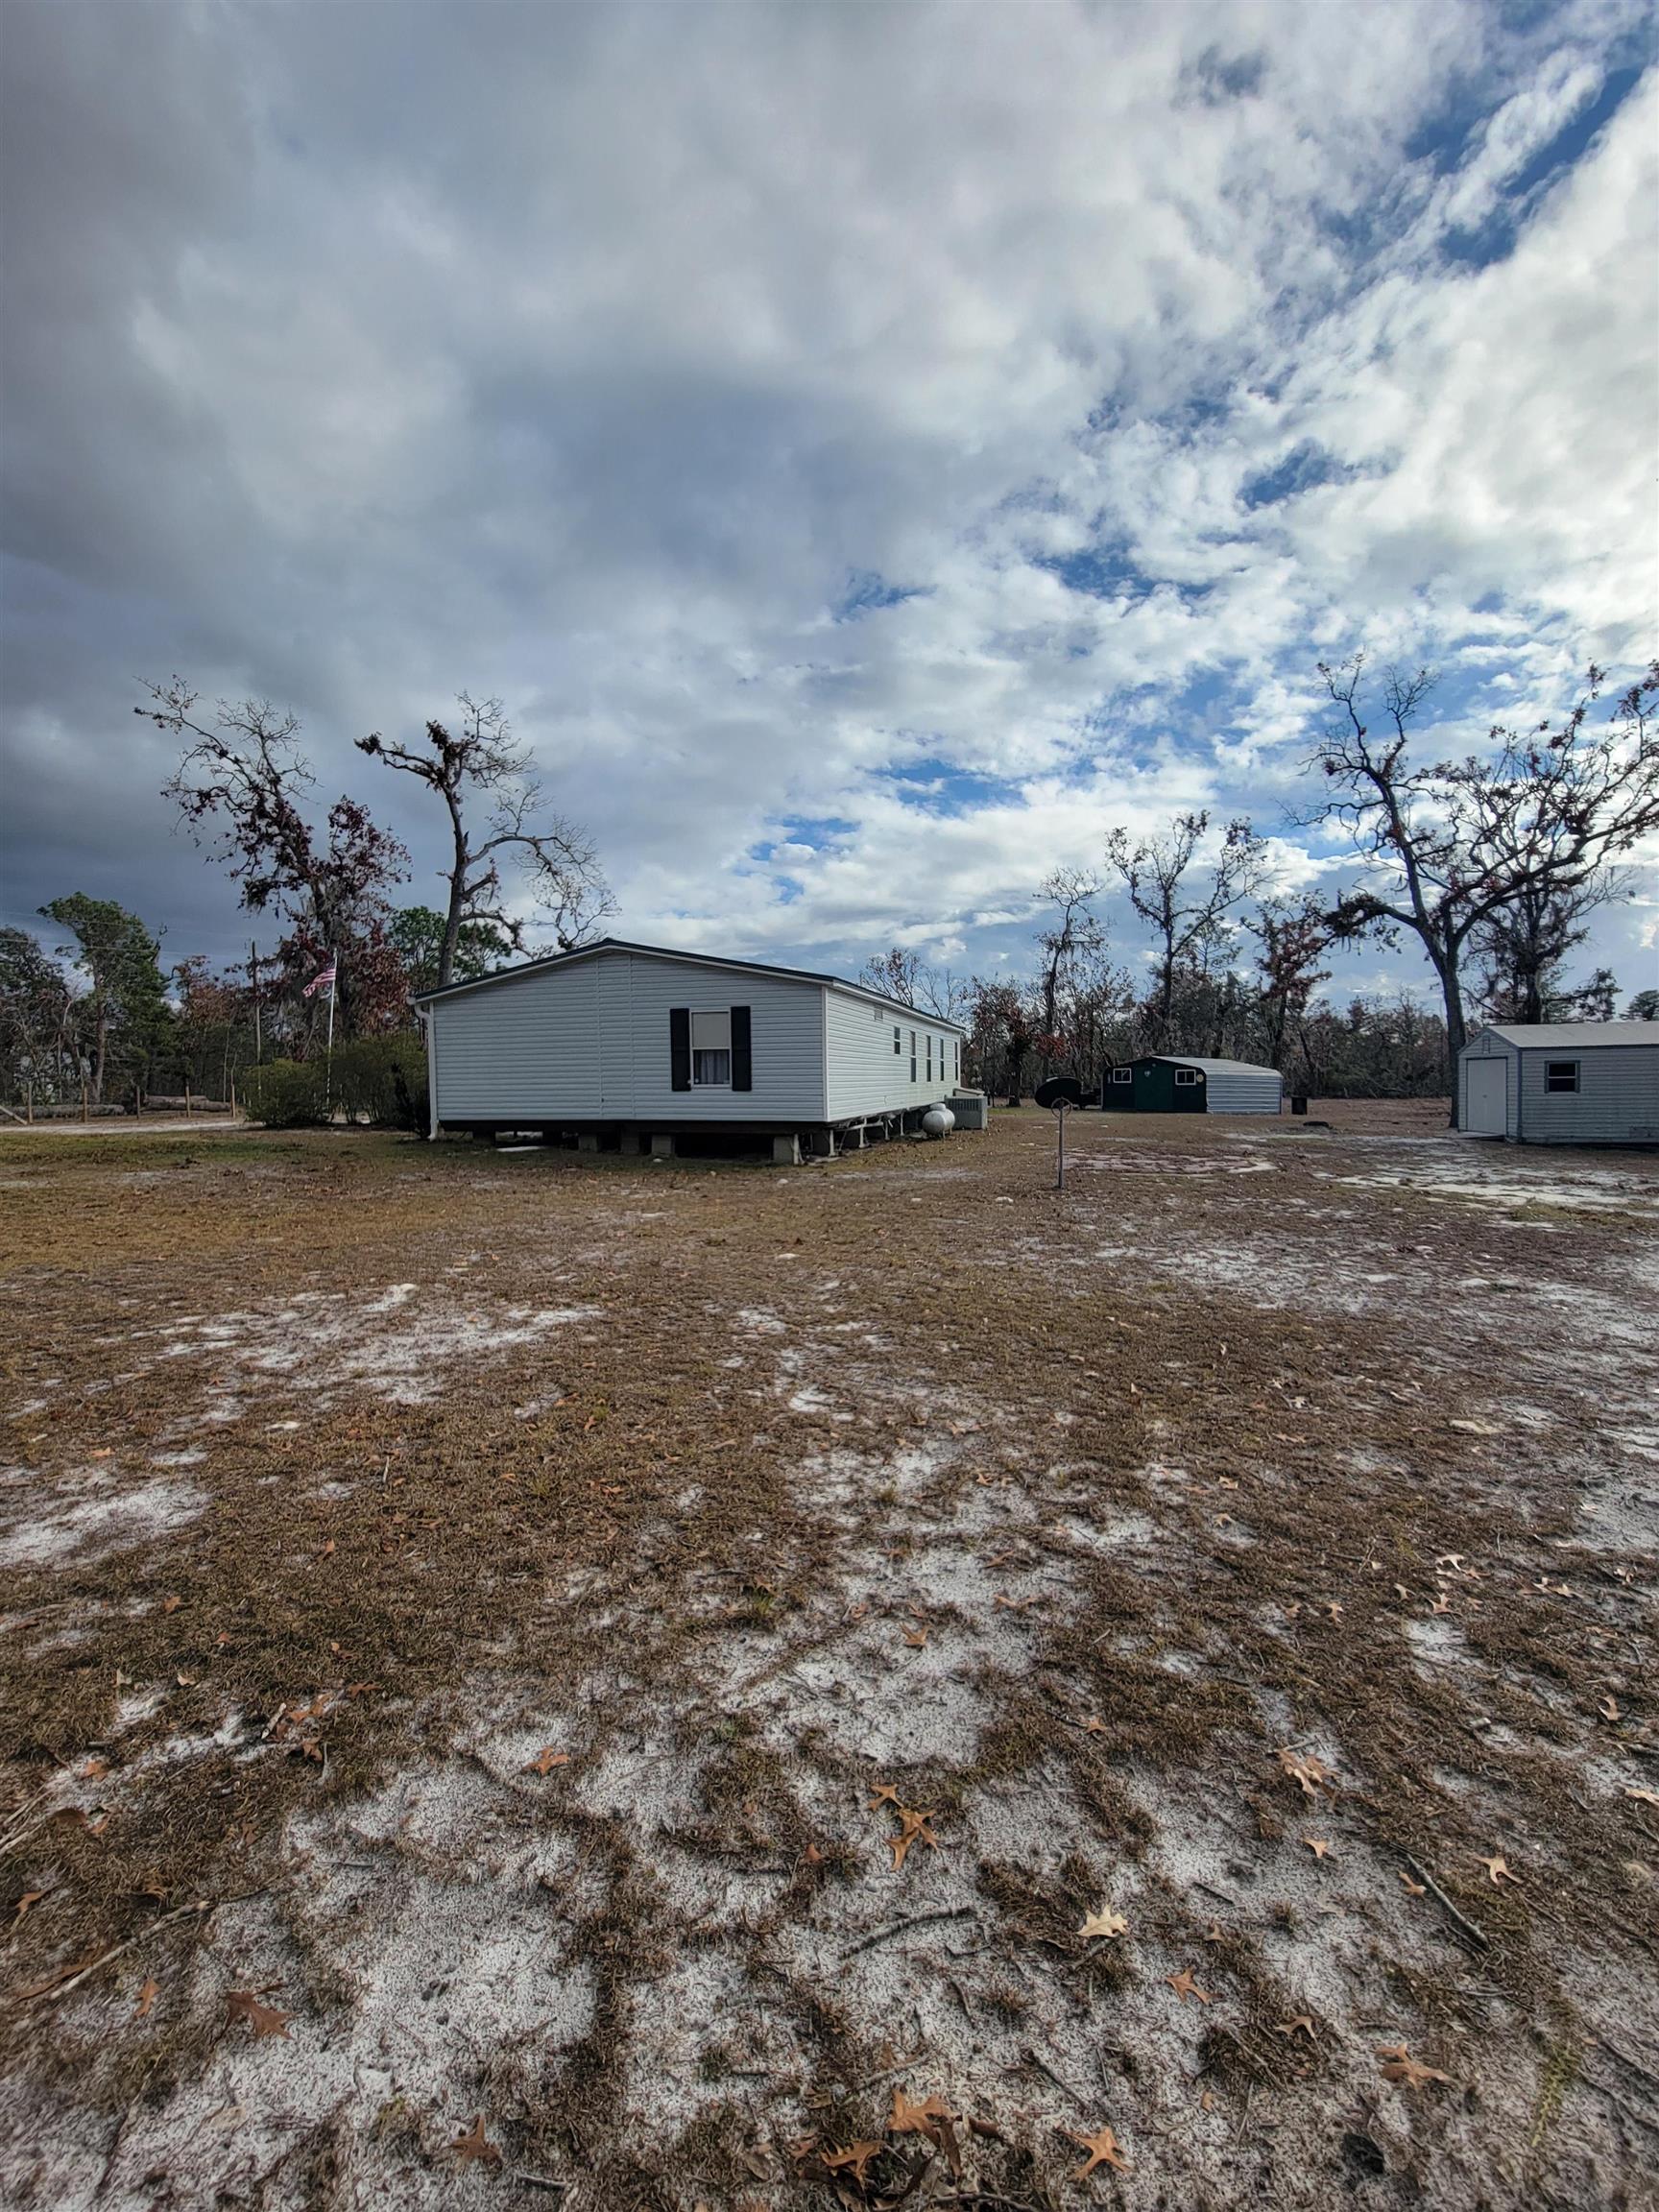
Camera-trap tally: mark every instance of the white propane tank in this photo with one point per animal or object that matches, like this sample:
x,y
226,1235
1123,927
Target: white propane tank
x,y
938,1120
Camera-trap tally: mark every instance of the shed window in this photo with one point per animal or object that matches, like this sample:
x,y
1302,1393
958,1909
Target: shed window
x,y
711,1049
1186,1074
1560,1074
1123,1074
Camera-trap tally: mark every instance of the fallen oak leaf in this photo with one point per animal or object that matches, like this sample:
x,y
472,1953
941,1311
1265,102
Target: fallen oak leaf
x,y
908,2118
544,1761
1412,1888
261,2019
1103,1922
886,1793
1608,1708
1309,1774
147,1997
855,2160
1184,1986
1498,1872
1318,1845
1302,2025
29,1897
915,1830
1102,2149
1399,2066
916,1638
171,1603
475,2144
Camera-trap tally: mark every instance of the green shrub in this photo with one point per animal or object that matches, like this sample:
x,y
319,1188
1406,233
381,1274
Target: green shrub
x,y
284,1093
382,1080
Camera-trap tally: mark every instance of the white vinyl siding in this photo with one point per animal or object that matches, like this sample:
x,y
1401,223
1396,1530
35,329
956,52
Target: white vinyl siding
x,y
867,1074
1616,1101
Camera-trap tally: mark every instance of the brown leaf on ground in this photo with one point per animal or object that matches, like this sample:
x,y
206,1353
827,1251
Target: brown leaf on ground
x,y
855,2160
544,1761
147,1997
1412,1888
886,1793
1318,1845
1399,2066
1498,1872
1184,1986
95,1769
908,2119
475,2145
1302,2025
915,1830
916,1638
263,2019
29,1897
171,1603
1309,1774
1103,1922
1102,2149
1608,1708
1644,1796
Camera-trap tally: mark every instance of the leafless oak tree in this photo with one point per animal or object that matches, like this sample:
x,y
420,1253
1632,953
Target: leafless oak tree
x,y
1457,842
556,856
1190,919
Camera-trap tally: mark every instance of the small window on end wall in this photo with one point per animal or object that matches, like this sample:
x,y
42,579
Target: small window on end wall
x,y
1560,1074
1186,1074
1123,1074
897,1040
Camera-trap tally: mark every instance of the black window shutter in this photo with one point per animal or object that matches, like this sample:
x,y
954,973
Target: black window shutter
x,y
742,1050
679,1048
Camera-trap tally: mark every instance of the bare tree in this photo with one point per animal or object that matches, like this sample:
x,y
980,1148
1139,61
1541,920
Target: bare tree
x,y
1189,920
1457,842
1293,937
1523,945
1074,936
556,857
244,778
902,974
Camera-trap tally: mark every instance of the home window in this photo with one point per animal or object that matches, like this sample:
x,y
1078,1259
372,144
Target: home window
x,y
898,1040
1123,1074
912,1055
1560,1074
930,1059
712,1050
1186,1074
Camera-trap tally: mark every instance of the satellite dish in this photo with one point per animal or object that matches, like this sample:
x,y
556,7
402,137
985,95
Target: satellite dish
x,y
1059,1091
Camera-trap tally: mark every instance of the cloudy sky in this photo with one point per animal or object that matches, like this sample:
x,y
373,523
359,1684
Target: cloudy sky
x,y
870,450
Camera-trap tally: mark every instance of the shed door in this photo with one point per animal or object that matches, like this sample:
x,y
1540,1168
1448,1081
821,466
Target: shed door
x,y
1488,1100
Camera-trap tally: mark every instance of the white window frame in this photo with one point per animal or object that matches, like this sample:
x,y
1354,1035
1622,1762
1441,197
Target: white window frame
x,y
1123,1074
1554,1073
1186,1077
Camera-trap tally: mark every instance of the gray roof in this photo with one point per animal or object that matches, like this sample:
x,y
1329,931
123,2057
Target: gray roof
x,y
693,960
1214,1066
1571,1036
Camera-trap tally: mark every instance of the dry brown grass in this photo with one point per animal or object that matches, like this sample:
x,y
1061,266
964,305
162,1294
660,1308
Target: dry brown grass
x,y
658,1468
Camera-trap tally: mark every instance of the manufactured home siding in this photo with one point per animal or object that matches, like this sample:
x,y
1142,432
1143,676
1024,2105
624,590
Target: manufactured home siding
x,y
786,1027
866,1075
1617,1100
528,1049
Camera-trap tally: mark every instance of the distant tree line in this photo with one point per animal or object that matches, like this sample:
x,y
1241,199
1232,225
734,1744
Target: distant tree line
x,y
1492,863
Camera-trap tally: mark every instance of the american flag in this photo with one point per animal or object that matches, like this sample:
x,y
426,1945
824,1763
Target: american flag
x,y
322,980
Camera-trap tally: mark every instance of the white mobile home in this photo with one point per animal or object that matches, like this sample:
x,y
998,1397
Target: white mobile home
x,y
1561,1083
621,1044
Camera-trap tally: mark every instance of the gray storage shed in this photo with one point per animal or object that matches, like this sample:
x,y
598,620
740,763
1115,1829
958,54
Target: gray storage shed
x,y
628,1043
1561,1083
1176,1083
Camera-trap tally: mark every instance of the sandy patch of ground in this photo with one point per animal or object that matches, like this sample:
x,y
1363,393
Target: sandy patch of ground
x,y
662,1677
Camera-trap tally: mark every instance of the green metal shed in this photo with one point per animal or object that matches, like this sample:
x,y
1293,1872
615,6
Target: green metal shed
x,y
1177,1082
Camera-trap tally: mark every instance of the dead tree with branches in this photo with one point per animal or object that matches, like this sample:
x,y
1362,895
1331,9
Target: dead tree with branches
x,y
1455,843
555,857
1188,918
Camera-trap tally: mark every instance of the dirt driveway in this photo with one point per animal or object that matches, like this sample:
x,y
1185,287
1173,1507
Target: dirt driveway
x,y
538,1680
